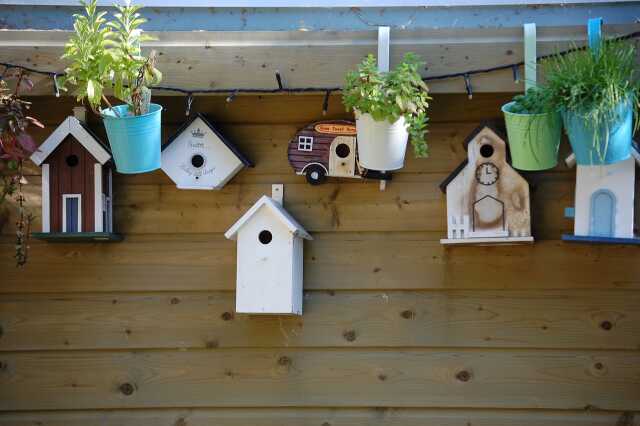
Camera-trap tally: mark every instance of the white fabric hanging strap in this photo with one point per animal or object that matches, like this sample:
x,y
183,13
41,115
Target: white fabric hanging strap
x,y
530,56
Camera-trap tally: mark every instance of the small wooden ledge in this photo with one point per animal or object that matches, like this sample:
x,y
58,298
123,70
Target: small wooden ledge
x,y
80,237
487,241
587,239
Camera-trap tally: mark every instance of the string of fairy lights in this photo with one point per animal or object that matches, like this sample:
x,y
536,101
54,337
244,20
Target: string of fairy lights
x,y
282,89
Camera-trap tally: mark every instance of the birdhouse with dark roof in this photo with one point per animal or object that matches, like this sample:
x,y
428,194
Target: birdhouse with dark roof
x,y
77,194
198,156
487,200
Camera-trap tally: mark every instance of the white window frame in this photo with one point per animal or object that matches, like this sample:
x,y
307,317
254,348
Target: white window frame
x,y
305,143
64,210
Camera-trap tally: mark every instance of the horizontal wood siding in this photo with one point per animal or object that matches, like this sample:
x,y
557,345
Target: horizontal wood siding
x,y
397,329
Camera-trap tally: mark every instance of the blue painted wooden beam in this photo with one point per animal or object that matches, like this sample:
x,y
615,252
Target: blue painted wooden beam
x,y
335,19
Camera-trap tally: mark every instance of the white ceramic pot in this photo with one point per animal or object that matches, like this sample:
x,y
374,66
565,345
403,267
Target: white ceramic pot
x,y
381,144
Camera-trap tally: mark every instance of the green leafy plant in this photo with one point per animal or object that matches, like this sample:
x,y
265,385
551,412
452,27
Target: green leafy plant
x,y
534,101
107,56
593,84
388,96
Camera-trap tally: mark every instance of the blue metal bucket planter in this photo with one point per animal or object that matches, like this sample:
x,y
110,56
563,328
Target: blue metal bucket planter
x,y
135,140
608,143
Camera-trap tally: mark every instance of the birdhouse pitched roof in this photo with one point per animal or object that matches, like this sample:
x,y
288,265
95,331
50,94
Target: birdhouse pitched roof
x,y
74,127
570,161
487,125
244,160
279,211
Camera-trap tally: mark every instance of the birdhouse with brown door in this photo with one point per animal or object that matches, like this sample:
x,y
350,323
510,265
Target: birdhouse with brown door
x,y
77,189
487,200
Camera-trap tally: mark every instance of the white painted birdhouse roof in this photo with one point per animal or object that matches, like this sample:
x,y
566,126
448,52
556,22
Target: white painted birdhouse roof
x,y
279,212
74,127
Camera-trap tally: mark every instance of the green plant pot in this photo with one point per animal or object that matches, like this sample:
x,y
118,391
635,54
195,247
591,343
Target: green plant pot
x,y
534,139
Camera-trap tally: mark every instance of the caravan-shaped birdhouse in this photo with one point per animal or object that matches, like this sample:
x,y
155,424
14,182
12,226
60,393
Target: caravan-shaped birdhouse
x,y
604,201
77,190
197,156
269,258
487,200
328,148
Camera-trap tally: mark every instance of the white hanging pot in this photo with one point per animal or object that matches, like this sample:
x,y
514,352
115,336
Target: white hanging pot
x,y
381,144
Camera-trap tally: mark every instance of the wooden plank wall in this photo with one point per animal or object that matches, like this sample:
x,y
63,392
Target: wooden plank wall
x,y
397,330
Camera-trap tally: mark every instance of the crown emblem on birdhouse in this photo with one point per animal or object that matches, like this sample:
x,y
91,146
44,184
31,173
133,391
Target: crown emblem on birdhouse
x,y
197,133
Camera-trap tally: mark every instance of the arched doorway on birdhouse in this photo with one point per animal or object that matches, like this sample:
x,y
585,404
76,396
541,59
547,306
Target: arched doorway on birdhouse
x,y
602,215
342,156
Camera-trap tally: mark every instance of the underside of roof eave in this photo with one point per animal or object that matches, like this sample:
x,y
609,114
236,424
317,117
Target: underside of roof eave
x,y
228,60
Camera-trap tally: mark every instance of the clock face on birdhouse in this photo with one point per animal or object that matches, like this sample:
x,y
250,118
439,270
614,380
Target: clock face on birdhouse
x,y
487,174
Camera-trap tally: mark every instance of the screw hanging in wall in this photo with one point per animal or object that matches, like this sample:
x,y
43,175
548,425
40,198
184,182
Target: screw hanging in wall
x,y
56,89
232,96
279,80
189,102
325,102
467,85
516,73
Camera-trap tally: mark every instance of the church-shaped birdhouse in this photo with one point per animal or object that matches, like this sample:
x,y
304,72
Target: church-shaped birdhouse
x,y
197,156
77,195
269,258
604,201
487,200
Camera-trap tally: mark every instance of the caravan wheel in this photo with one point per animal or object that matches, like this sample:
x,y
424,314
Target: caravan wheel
x,y
315,175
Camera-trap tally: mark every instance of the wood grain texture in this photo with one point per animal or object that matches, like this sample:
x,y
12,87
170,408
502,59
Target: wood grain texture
x,y
500,319
333,261
322,417
315,378
499,335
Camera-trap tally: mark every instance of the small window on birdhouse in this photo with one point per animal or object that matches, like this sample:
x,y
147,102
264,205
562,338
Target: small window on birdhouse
x,y
265,237
305,143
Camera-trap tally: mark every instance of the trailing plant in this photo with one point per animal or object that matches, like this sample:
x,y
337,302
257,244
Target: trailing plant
x,y
106,56
534,101
16,145
593,84
400,92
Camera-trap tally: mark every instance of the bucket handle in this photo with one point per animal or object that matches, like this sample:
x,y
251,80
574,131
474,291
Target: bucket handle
x,y
594,34
530,57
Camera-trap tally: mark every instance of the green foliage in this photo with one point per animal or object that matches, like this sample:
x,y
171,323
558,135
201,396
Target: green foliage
x,y
534,101
389,96
106,55
592,84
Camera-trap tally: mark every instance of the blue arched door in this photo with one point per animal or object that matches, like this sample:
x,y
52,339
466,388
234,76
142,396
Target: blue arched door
x,y
603,208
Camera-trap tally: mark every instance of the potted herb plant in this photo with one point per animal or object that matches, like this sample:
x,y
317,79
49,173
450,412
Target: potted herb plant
x,y
390,108
106,56
534,130
597,93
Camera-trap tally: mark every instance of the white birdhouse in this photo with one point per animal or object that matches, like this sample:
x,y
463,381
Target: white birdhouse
x,y
199,157
604,202
269,258
487,200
